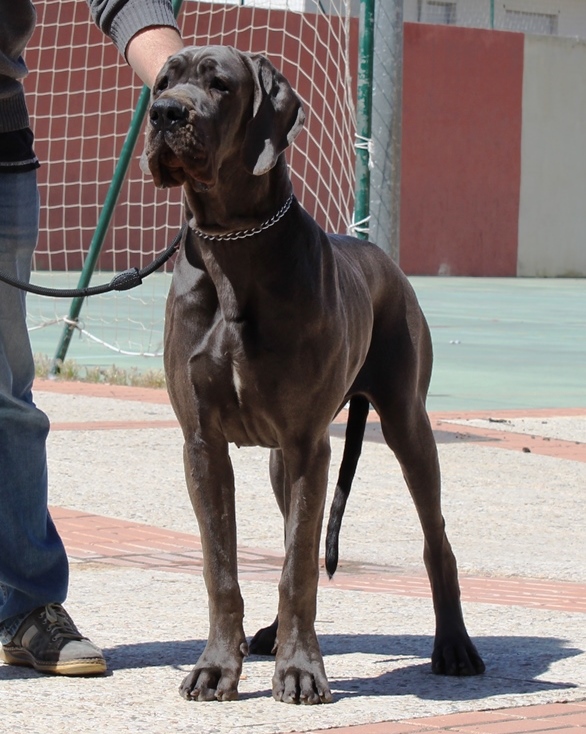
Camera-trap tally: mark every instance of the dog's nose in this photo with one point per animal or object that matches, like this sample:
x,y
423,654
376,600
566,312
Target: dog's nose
x,y
167,113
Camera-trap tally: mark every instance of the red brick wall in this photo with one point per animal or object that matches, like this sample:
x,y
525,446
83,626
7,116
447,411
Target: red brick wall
x,y
461,151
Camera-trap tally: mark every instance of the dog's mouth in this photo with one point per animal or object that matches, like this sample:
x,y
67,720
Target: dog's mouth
x,y
172,161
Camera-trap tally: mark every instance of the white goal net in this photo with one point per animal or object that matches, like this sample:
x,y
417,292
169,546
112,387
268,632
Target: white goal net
x,y
81,96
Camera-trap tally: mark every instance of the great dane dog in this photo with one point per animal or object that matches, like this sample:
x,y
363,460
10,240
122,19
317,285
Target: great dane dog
x,y
272,326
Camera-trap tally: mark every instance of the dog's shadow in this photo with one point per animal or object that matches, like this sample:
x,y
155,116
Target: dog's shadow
x,y
514,665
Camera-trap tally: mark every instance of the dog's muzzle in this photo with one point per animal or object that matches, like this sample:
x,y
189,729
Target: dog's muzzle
x,y
174,150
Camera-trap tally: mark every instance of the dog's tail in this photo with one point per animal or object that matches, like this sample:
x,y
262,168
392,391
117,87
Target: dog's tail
x,y
357,415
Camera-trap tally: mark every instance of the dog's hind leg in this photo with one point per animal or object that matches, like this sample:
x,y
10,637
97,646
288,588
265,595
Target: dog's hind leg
x,y
407,431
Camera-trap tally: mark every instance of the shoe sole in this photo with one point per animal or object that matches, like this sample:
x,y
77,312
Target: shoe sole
x,y
90,666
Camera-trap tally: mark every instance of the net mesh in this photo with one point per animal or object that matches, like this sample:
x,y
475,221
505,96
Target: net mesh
x,y
81,96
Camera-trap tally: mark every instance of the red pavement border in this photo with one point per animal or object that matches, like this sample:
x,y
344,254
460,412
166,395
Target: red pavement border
x,y
569,718
97,539
442,422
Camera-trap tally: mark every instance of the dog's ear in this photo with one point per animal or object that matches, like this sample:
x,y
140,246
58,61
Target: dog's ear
x,y
277,116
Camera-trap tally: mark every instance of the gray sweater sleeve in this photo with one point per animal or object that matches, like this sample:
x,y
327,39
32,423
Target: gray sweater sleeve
x,y
123,19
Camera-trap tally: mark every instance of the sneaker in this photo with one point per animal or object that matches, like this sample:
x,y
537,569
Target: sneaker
x,y
49,642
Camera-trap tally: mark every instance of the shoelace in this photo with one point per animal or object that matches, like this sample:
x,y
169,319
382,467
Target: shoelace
x,y
59,624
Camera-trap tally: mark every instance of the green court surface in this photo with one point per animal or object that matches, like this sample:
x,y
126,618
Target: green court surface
x,y
499,343
506,343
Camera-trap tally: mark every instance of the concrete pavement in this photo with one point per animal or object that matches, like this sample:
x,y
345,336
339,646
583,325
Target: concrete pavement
x,y
513,500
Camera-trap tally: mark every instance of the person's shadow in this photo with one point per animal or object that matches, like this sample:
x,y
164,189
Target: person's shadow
x,y
514,665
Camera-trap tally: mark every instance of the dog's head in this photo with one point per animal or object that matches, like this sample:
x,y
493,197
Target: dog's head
x,y
215,103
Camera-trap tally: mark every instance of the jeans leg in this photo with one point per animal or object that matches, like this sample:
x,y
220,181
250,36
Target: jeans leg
x,y
33,563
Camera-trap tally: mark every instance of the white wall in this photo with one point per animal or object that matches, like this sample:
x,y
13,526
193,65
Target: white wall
x,y
552,217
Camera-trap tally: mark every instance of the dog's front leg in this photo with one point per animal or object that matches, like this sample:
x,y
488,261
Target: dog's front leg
x,y
299,670
210,481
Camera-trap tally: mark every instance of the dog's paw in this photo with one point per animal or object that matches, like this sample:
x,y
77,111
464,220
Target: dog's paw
x,y
303,681
265,640
209,684
456,655
215,676
301,686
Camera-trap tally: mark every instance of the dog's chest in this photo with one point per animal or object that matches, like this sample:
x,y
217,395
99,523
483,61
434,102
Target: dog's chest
x,y
238,381
249,416
246,422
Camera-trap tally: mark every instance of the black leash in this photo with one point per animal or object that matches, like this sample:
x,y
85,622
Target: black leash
x,y
123,281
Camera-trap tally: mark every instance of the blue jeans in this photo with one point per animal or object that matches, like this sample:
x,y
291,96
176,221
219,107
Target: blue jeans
x,y
33,564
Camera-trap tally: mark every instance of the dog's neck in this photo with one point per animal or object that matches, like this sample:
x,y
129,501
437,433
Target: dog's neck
x,y
252,273
239,204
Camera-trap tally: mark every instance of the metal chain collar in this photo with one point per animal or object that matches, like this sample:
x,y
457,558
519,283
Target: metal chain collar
x,y
244,233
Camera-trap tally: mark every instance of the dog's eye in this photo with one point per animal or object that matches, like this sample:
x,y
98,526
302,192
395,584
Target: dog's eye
x,y
161,84
219,85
